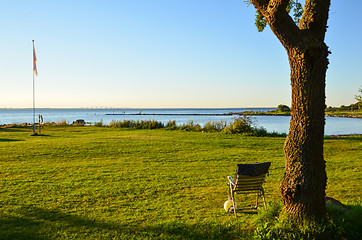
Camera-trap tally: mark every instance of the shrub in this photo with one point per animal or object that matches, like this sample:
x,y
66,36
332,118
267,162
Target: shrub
x,y
242,124
60,123
276,134
260,132
120,124
171,125
191,126
214,126
139,124
16,125
149,124
99,124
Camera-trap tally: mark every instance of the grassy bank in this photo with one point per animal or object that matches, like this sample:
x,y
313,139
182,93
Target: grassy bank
x,y
80,182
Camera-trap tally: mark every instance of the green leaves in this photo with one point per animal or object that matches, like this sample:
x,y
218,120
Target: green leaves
x,y
260,21
294,8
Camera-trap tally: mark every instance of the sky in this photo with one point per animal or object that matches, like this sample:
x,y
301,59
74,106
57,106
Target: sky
x,y
160,54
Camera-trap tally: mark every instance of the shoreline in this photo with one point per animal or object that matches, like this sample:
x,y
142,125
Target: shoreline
x,y
222,114
344,116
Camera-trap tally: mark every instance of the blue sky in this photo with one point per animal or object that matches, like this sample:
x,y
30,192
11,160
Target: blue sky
x,y
160,54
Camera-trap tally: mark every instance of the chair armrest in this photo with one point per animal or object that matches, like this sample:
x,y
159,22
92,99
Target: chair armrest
x,y
231,181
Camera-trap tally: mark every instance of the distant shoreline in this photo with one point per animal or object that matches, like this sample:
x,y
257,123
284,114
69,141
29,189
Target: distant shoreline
x,y
344,116
224,114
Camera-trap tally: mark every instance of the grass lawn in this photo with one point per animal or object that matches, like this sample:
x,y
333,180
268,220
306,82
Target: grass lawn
x,y
108,183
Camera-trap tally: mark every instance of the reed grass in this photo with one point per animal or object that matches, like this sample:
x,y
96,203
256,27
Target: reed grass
x,y
240,125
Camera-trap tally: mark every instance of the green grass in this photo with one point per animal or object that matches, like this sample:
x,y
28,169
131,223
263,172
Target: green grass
x,y
79,182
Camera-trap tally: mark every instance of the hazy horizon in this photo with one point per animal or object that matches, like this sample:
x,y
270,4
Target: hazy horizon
x,y
136,108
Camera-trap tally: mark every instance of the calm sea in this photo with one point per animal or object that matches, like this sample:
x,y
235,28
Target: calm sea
x,y
334,126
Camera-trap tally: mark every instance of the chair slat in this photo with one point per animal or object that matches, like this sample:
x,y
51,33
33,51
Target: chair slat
x,y
246,181
251,177
247,185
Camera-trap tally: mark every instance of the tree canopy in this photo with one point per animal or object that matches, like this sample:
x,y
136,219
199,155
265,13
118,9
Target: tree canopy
x,y
358,97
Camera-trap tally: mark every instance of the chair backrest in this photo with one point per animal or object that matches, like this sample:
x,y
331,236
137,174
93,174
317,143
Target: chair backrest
x,y
253,169
250,177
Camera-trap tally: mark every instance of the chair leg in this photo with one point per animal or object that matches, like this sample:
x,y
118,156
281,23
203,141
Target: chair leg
x,y
257,202
262,191
233,199
229,192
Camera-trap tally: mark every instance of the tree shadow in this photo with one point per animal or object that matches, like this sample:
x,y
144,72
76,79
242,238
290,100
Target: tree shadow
x,y
179,230
10,140
39,135
36,223
13,129
352,137
246,212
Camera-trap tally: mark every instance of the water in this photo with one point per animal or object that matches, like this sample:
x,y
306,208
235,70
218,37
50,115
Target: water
x,y
334,126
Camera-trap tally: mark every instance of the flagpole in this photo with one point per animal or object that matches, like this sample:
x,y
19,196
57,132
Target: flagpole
x,y
33,93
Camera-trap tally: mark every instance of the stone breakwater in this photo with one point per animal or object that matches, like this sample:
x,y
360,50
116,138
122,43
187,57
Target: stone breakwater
x,y
226,114
345,116
288,114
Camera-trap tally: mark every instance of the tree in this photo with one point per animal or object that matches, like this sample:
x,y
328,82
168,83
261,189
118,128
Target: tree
x,y
303,186
283,108
359,98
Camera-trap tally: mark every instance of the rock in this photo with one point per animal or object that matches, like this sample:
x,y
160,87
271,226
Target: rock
x,y
79,122
336,204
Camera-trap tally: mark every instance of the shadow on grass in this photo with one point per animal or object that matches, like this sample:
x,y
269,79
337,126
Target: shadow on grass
x,y
246,213
9,140
13,129
35,223
355,137
39,135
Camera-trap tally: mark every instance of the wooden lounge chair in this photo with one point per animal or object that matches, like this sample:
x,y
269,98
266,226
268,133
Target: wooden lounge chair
x,y
249,179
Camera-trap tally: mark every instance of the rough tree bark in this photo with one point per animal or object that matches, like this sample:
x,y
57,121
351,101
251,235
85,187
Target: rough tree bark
x,y
305,179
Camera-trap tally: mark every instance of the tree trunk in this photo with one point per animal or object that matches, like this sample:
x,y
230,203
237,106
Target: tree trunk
x,y
304,183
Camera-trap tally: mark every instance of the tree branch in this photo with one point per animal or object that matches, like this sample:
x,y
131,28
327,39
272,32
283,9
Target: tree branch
x,y
260,4
315,17
280,22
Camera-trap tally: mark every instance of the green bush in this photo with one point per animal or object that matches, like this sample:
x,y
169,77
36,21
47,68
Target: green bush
x,y
191,126
171,124
242,124
149,124
214,126
260,132
120,124
99,124
139,124
60,123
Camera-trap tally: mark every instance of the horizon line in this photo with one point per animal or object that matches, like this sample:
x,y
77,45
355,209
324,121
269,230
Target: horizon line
x,y
131,107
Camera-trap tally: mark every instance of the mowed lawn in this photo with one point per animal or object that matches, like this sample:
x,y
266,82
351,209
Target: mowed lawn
x,y
107,183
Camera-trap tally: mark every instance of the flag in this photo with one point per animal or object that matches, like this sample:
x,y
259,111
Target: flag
x,y
35,70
